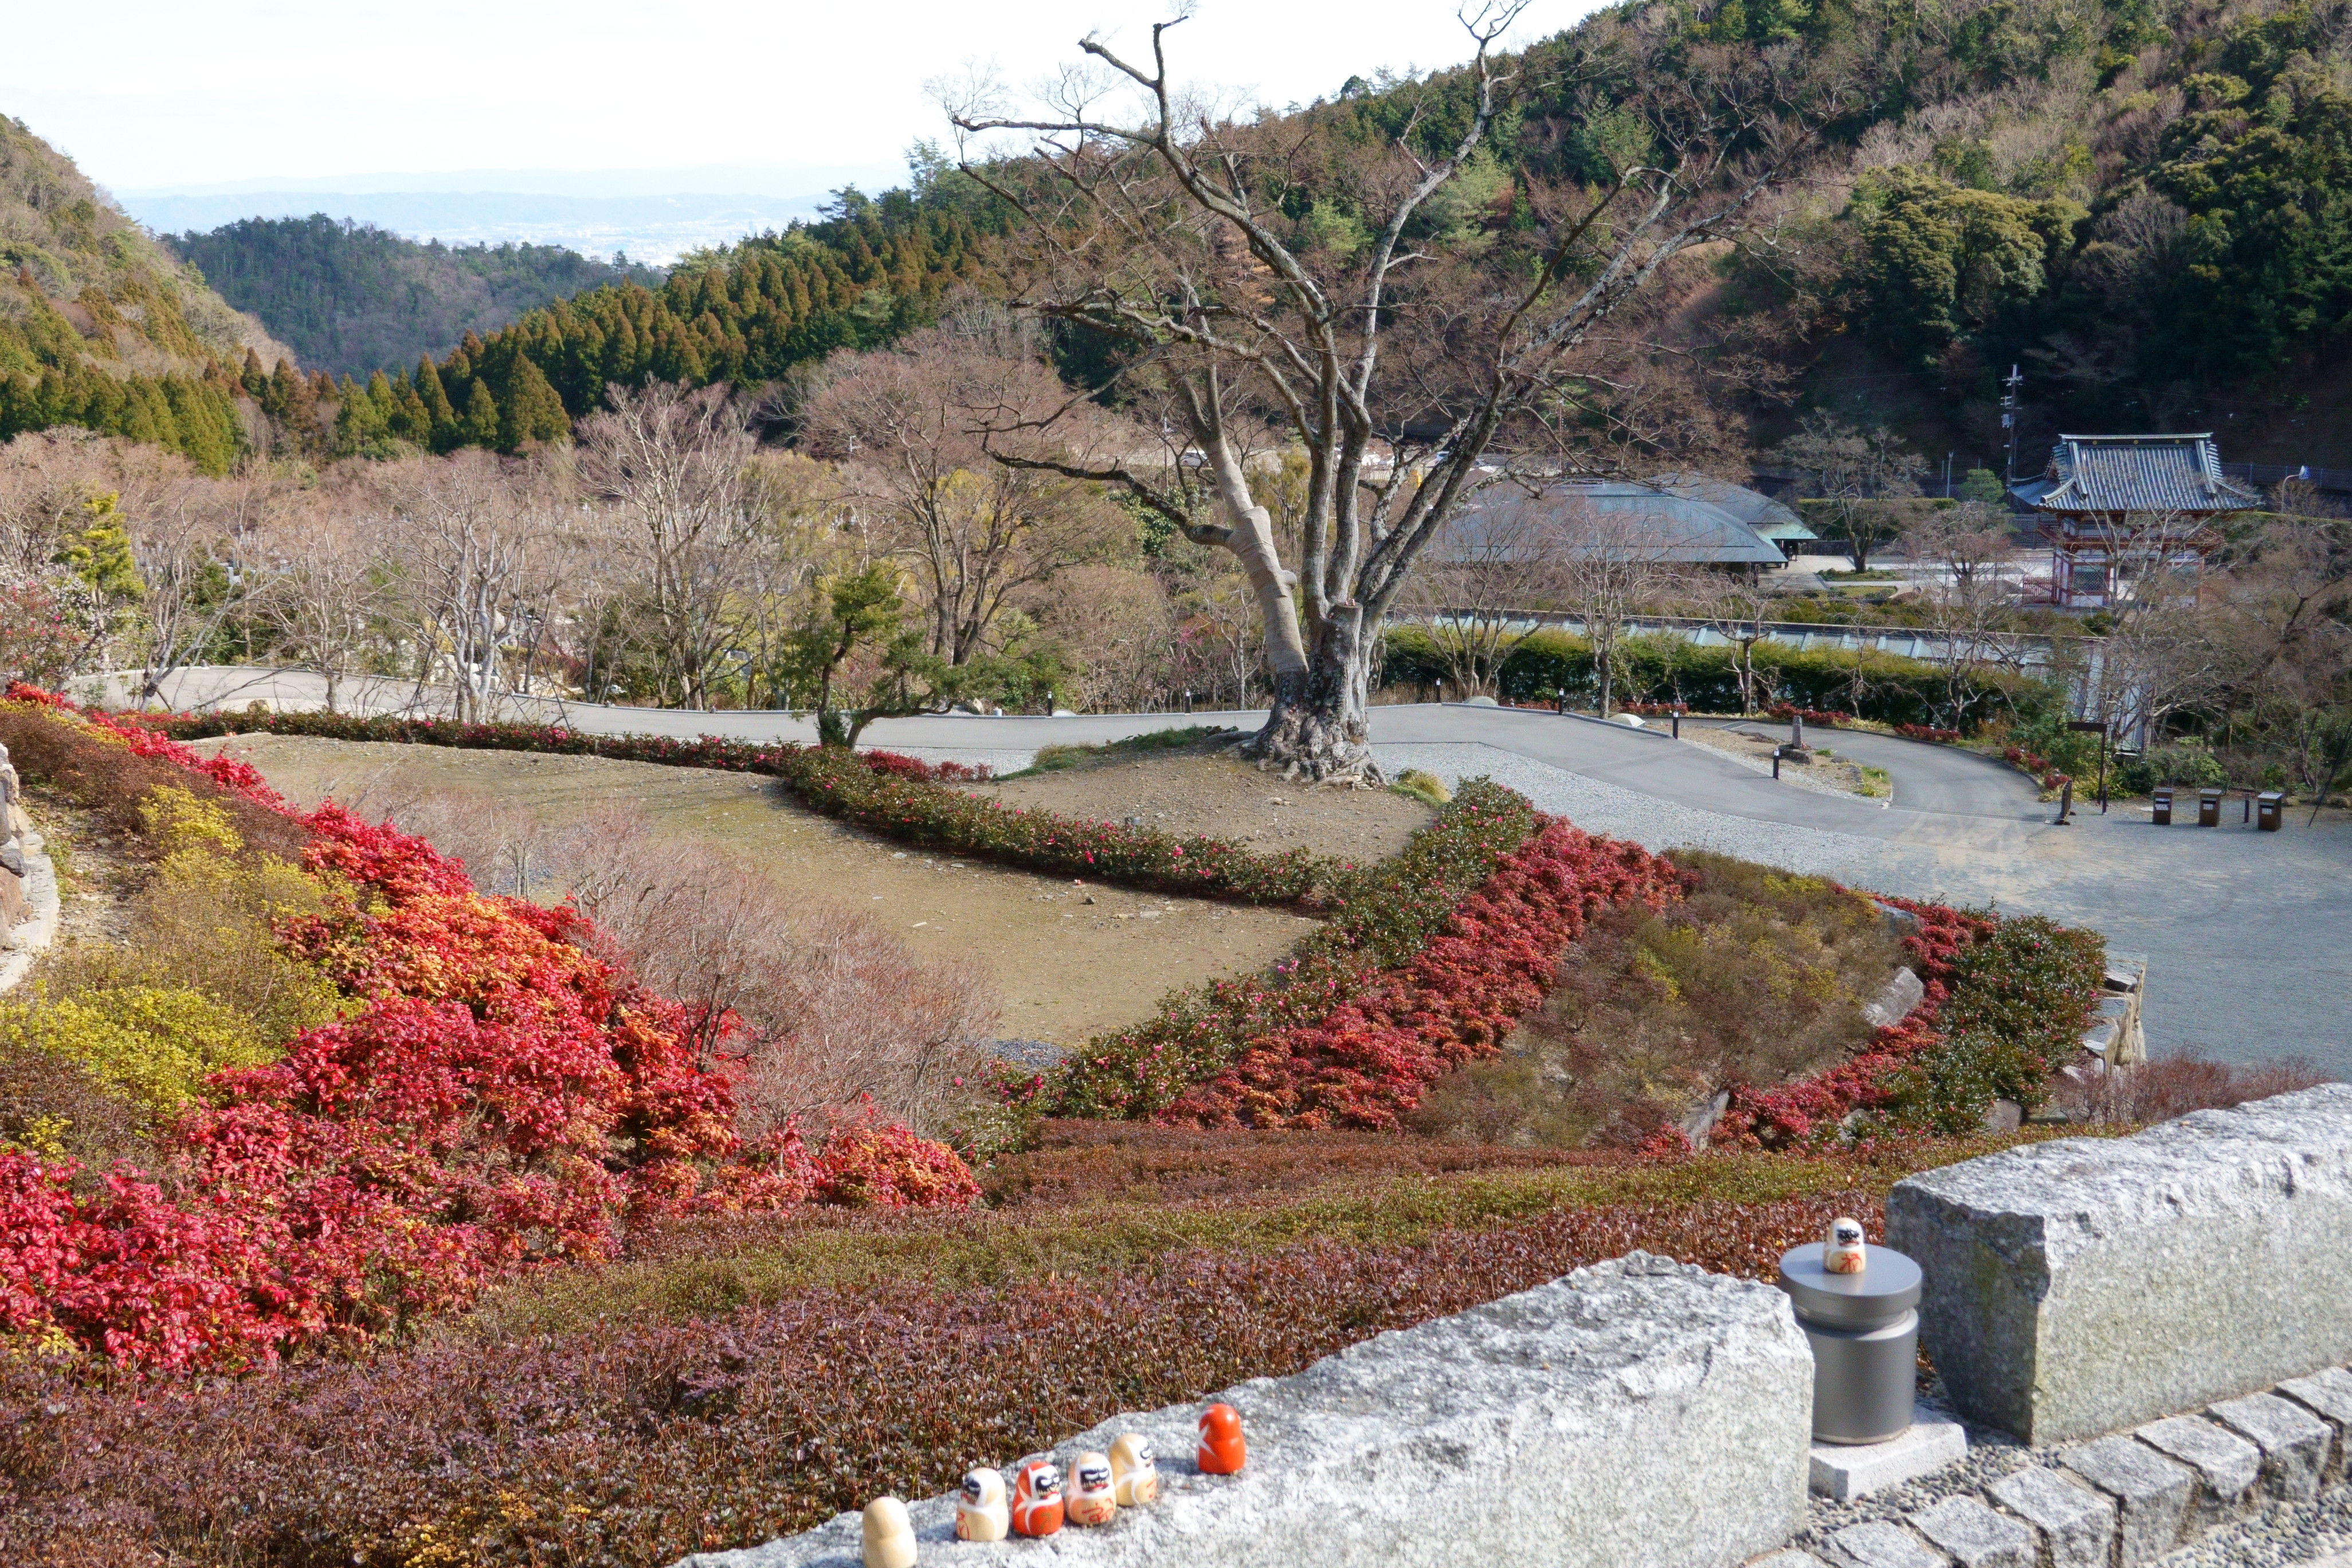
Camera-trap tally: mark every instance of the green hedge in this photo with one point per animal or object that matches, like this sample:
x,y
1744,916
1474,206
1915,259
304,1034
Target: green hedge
x,y
1667,669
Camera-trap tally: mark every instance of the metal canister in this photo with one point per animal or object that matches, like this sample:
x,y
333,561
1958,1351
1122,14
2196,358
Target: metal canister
x,y
1865,1330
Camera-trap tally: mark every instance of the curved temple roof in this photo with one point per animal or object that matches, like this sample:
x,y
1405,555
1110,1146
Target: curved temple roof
x,y
2100,474
1644,519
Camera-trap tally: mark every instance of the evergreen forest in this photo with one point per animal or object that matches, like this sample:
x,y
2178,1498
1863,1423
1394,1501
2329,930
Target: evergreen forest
x,y
2144,206
349,298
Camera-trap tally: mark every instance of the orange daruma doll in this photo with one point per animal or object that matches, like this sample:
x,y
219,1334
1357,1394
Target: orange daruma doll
x,y
1091,1499
1037,1499
1222,1448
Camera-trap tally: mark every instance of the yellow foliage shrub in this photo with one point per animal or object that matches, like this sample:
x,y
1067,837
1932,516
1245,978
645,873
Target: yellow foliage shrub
x,y
156,1045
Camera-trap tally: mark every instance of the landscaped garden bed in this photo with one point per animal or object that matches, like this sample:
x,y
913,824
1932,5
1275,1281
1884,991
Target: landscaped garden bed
x,y
741,1357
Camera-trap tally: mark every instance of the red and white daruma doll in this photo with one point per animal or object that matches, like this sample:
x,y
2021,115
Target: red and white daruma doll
x,y
1223,1451
1092,1498
1037,1499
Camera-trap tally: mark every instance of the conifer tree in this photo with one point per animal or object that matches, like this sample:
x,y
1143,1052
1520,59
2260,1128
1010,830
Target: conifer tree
x,y
533,412
481,427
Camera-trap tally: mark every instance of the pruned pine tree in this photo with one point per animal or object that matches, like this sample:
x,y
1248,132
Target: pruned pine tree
x,y
1304,281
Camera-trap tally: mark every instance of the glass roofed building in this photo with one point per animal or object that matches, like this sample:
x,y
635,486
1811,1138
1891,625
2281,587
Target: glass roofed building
x,y
2117,505
1679,525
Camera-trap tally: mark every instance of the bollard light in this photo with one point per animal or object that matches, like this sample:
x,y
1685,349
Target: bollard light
x,y
1865,1331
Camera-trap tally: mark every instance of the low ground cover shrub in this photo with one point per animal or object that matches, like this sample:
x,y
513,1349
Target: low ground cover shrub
x,y
1390,914
637,1442
1753,976
490,1095
1152,742
2005,1006
897,797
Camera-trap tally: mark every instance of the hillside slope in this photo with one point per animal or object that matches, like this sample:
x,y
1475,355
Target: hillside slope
x,y
351,298
99,326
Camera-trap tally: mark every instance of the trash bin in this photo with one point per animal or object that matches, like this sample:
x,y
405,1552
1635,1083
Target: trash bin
x,y
2209,808
2160,803
1865,1331
2268,806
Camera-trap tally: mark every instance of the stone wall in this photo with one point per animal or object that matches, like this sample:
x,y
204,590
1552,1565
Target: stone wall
x,y
2088,1286
1636,1413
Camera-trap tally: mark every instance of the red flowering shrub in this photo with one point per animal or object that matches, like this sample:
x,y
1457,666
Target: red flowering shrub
x,y
1810,715
1367,1060
1927,732
2043,770
498,1097
885,792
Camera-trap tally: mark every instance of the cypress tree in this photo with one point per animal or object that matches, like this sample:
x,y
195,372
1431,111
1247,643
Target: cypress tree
x,y
533,412
481,427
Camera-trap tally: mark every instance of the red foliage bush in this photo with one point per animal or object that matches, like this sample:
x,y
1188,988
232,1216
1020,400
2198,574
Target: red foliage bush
x,y
2043,770
500,1096
1813,1108
1927,732
638,1442
1367,1060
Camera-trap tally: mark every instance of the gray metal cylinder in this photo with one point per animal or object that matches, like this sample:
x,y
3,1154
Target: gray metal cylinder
x,y
1865,1331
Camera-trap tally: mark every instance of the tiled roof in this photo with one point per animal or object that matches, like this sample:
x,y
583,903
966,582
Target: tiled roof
x,y
2140,473
1663,525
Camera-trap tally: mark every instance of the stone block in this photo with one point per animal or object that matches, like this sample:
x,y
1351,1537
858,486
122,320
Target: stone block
x,y
2085,1285
1894,1000
2328,1396
2227,1467
1787,1557
1844,1471
2296,1444
2152,1494
2078,1525
1638,1412
1977,1537
1880,1545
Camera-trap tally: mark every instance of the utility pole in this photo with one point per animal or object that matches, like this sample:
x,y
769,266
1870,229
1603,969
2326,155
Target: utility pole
x,y
2008,417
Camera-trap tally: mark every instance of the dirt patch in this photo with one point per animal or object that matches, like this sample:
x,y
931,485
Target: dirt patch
x,y
1070,960
1219,794
1827,773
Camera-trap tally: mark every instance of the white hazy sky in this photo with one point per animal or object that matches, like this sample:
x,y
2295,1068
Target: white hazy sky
x,y
158,94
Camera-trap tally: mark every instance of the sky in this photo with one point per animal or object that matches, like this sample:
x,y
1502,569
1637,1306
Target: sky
x,y
163,96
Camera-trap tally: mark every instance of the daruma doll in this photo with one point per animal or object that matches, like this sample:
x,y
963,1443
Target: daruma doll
x,y
889,1535
1843,1252
1091,1499
1037,1498
1222,1448
1134,1473
981,1510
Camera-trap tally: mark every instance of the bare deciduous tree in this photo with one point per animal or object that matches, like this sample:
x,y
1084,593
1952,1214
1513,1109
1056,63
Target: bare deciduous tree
x,y
675,468
911,426
472,553
1858,472
1395,346
1612,566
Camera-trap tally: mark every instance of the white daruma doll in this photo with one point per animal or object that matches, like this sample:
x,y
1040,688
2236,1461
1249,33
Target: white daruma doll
x,y
889,1535
1843,1252
1037,1498
981,1510
1091,1499
1134,1473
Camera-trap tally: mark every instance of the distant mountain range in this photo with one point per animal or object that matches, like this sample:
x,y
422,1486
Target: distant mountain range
x,y
653,216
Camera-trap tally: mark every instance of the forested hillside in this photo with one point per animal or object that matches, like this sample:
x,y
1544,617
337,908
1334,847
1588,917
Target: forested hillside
x,y
2147,204
99,327
350,298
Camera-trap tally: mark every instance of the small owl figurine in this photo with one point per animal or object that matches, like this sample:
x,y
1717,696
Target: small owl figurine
x,y
1844,1253
889,1535
1092,1500
1134,1474
1223,1451
981,1510
1037,1498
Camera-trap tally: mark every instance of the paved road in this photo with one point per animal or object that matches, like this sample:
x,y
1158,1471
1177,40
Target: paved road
x,y
2244,931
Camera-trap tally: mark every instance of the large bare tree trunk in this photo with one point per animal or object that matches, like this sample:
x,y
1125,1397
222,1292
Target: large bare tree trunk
x,y
1317,729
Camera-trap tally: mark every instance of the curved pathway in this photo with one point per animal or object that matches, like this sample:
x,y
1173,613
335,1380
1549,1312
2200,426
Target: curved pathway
x,y
2243,931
